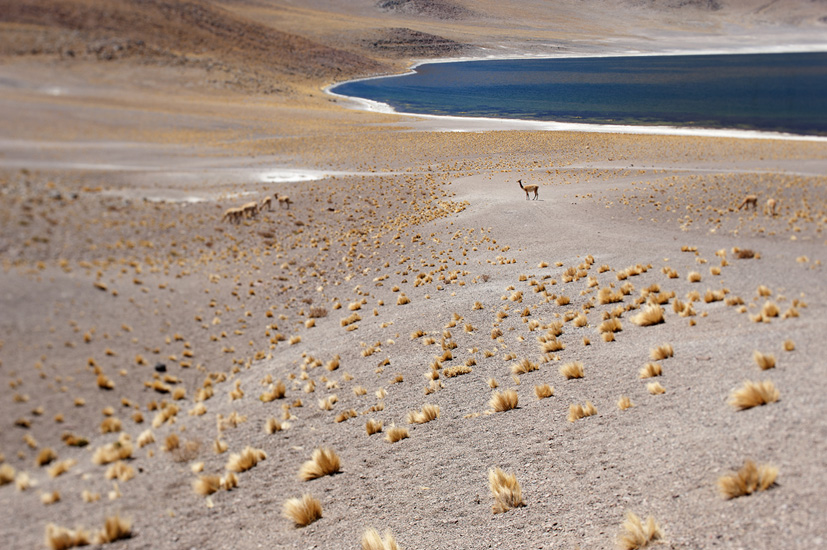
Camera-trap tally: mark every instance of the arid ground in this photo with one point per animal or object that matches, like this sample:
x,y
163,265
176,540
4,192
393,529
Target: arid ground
x,y
144,340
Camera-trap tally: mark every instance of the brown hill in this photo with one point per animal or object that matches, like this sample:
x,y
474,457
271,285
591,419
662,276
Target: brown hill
x,y
171,31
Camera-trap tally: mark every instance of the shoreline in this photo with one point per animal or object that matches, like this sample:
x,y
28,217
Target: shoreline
x,y
504,124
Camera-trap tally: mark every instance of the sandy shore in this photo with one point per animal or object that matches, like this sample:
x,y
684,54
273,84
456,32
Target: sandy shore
x,y
116,261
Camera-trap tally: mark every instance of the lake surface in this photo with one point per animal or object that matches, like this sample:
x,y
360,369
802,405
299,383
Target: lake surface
x,y
771,92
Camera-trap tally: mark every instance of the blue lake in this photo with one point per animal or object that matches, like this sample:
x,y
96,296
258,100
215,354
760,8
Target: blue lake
x,y
771,92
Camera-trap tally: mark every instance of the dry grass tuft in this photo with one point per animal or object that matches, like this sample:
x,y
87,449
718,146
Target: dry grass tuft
x,y
505,489
577,411
276,391
651,370
60,538
371,540
749,479
324,462
302,511
120,471
373,426
50,498
345,415
248,458
396,433
45,456
789,345
7,473
655,388
428,413
172,442
770,309
457,370
754,394
146,438
610,325
637,534
272,426
118,450
503,401
110,425
764,361
694,277
206,485
114,528
523,367
659,353
624,403
652,315
551,345
543,391
572,370
58,469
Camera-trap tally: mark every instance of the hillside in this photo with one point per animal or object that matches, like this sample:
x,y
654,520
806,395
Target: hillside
x,y
622,345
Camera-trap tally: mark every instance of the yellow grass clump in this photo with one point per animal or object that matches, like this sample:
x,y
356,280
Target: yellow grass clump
x,y
551,345
246,459
60,538
523,367
637,534
608,296
396,433
59,468
754,394
324,462
105,383
610,325
45,456
457,370
206,485
272,426
694,277
659,353
652,315
146,438
789,345
276,391
624,403
543,391
769,309
117,450
505,489
372,540
7,473
503,401
346,415
373,426
749,479
650,370
110,425
302,511
50,498
764,361
114,528
577,411
428,413
120,471
172,442
572,370
655,388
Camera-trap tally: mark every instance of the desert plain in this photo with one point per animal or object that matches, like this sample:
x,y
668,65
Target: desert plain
x,y
404,285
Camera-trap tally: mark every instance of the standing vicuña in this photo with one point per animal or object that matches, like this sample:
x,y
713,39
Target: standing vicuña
x,y
529,189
